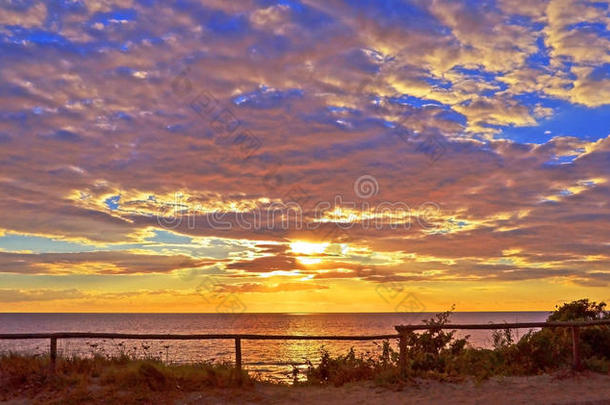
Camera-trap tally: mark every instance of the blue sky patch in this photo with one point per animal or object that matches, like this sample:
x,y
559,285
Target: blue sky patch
x,y
582,122
113,202
413,101
114,17
13,242
169,237
265,97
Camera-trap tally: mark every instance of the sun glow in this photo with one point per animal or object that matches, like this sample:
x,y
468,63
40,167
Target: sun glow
x,y
309,260
309,249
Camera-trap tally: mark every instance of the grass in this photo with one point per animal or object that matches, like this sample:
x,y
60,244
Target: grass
x,y
102,379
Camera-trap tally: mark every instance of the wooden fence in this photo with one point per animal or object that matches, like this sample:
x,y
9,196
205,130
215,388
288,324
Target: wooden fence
x,y
403,331
127,336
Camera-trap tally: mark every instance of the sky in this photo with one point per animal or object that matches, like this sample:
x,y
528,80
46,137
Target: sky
x,y
303,155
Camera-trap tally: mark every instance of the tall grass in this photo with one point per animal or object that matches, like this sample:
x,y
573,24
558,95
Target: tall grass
x,y
105,379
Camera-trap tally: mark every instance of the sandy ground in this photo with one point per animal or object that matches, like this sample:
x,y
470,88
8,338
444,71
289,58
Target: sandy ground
x,y
586,388
583,389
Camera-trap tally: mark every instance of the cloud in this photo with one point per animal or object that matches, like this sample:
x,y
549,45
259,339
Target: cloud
x,y
33,295
11,296
266,288
120,262
114,109
64,136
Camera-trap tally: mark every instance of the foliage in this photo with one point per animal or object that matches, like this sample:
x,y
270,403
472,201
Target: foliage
x,y
433,349
437,353
580,310
349,367
595,341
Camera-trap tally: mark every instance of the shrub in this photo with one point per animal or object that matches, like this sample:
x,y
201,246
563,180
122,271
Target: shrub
x,y
350,367
437,353
580,310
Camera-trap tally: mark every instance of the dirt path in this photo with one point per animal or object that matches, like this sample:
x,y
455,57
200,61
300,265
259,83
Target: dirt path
x,y
584,389
589,389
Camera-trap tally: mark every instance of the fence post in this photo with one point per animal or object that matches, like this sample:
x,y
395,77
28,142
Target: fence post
x,y
53,354
238,359
403,354
576,348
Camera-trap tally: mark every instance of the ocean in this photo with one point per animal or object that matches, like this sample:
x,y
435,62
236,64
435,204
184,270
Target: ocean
x,y
270,359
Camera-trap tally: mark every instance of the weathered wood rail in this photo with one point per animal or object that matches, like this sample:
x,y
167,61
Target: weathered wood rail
x,y
402,330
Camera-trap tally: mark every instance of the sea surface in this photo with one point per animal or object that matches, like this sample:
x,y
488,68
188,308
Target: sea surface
x,y
269,358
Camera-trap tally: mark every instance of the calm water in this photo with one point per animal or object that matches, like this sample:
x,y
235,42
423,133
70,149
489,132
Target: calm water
x,y
272,359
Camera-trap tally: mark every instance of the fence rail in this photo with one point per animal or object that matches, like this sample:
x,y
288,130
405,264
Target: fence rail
x,y
131,336
521,325
403,331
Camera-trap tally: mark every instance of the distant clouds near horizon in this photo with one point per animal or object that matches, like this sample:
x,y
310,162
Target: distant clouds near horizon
x,y
487,119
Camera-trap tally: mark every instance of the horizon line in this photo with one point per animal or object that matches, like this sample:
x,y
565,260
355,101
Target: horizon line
x,y
255,313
